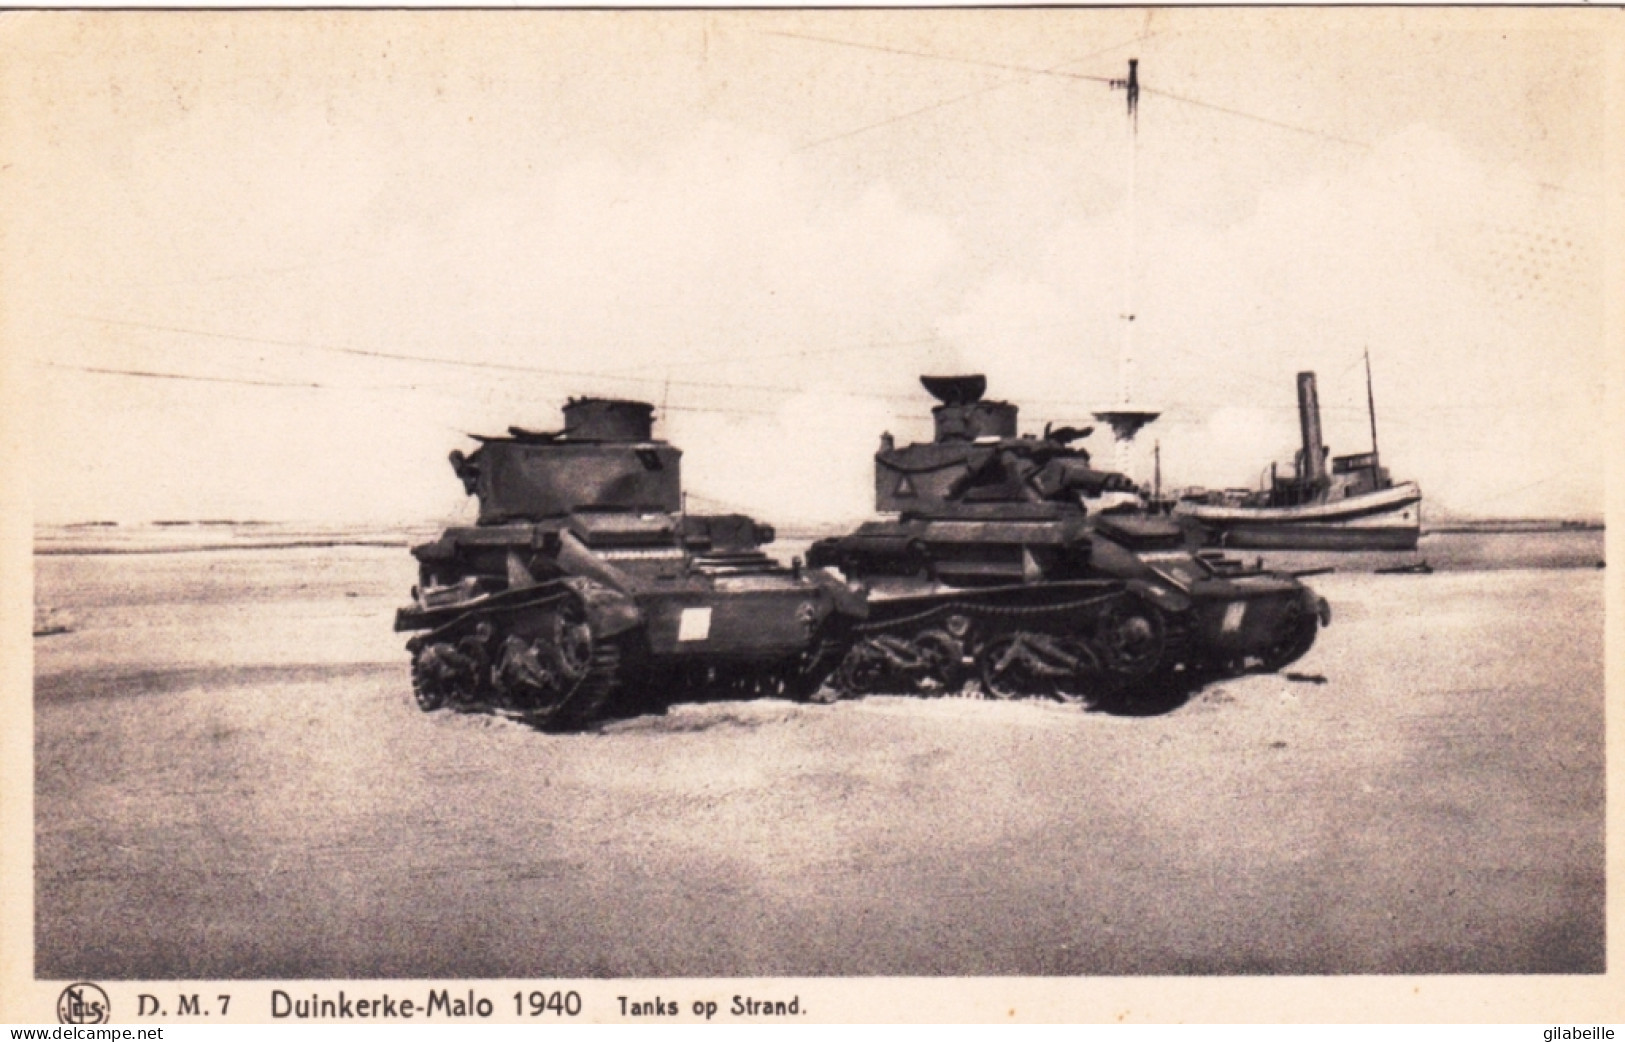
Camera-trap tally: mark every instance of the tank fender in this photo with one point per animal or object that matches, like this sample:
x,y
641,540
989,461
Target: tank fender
x,y
609,612
1108,556
1169,600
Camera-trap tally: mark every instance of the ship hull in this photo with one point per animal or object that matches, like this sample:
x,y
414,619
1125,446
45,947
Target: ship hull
x,y
1390,519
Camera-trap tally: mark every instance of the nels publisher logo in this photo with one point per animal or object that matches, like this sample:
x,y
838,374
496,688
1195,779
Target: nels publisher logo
x,y
83,1003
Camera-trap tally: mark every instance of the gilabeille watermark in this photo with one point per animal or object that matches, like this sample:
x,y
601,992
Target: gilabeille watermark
x,y
1592,1032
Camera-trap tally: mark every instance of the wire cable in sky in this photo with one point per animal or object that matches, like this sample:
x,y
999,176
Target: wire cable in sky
x,y
431,359
1055,71
801,352
909,399
1267,121
150,375
1030,71
944,57
609,376
944,103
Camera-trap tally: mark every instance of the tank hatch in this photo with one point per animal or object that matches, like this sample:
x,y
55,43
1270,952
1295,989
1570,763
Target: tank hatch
x,y
608,419
956,390
963,415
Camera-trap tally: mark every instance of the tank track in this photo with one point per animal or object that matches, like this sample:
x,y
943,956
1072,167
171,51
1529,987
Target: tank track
x,y
536,661
587,701
1303,628
801,678
1079,650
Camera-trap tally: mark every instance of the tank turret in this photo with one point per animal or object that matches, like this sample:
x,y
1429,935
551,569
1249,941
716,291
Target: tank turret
x,y
605,458
977,458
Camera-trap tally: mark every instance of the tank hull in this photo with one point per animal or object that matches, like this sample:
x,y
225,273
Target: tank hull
x,y
1193,616
564,652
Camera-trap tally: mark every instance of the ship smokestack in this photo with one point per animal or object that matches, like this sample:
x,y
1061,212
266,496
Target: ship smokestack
x,y
1314,453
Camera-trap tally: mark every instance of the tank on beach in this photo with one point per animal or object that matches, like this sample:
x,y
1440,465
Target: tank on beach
x,y
585,582
1012,558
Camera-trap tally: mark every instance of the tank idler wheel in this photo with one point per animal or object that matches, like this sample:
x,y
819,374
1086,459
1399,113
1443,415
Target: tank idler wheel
x,y
1130,639
441,674
1301,627
941,666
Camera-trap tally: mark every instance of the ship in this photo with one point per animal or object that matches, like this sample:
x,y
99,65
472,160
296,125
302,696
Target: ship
x,y
1335,503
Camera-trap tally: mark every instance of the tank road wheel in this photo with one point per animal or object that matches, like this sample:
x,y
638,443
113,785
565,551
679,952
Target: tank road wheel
x,y
1039,664
863,670
1130,639
941,662
825,694
441,674
564,676
1009,667
1085,683
551,684
524,674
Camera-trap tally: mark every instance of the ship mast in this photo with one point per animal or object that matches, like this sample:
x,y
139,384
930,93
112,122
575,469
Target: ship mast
x,y
1371,408
1125,418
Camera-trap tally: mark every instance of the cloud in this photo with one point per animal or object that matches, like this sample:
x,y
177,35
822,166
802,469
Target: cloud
x,y
695,276
558,216
1387,255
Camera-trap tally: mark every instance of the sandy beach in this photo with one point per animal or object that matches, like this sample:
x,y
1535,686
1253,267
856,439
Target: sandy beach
x,y
232,781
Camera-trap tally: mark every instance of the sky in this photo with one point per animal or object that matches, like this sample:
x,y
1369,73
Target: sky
x,y
276,265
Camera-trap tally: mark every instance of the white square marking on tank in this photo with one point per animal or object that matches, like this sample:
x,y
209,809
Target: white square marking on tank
x,y
1233,614
694,624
